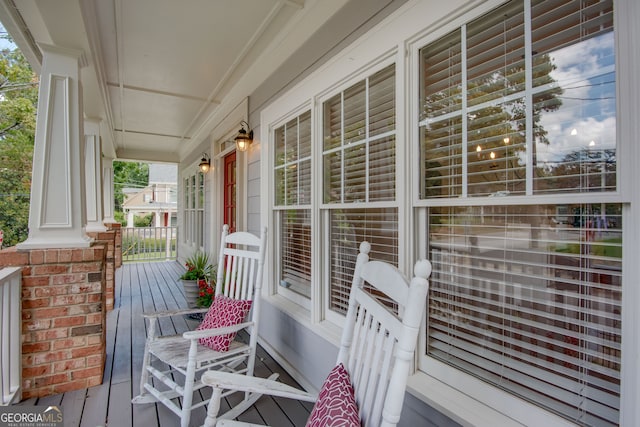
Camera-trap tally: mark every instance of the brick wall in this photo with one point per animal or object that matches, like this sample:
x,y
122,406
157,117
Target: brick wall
x,y
109,239
116,227
63,317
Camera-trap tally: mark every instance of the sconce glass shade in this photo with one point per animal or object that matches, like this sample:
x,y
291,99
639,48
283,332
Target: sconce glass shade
x,y
205,164
243,140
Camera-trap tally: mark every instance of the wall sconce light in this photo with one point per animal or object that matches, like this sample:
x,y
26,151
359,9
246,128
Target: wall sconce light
x,y
244,139
205,163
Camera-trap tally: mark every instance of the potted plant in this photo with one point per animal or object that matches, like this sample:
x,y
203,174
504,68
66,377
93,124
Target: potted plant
x,y
199,269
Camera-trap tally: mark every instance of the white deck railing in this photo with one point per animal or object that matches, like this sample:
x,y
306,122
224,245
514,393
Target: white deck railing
x,y
10,330
149,243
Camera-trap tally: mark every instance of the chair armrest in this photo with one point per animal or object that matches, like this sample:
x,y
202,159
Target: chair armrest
x,y
241,382
168,313
204,333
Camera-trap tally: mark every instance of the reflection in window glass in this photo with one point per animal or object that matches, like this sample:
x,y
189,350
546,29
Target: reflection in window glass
x,y
559,127
528,298
575,98
349,228
295,250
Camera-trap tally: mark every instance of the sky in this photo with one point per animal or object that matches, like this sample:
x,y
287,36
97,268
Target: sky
x,y
5,43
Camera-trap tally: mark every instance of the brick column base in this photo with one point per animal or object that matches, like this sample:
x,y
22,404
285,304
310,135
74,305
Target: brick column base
x,y
63,317
109,239
117,249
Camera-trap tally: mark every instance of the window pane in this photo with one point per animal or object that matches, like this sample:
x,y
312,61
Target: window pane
x,y
291,140
362,167
496,150
295,250
291,178
355,170
332,177
571,103
293,162
200,190
354,113
528,298
382,102
279,144
280,184
575,120
192,189
304,177
349,228
495,54
441,72
441,158
382,169
304,135
332,114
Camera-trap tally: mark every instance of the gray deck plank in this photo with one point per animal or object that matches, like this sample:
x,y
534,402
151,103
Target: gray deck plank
x,y
95,413
73,404
146,287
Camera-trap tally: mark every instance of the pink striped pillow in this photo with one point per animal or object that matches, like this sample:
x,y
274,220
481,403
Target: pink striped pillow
x,y
224,311
336,404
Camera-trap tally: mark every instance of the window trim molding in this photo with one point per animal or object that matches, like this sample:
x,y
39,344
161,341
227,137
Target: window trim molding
x,y
298,307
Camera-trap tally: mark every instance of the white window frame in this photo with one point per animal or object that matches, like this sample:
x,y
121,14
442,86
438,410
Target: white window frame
x,y
449,379
324,209
300,300
193,233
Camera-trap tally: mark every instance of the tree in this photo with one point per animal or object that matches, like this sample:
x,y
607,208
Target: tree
x,y
18,103
128,175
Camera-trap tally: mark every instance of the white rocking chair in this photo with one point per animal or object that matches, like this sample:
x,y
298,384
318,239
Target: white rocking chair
x,y
240,265
377,348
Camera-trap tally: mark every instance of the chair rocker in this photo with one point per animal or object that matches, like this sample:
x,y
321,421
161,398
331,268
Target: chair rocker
x,y
239,279
377,351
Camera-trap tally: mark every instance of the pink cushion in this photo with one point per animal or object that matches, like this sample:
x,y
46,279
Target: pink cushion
x,y
224,311
336,404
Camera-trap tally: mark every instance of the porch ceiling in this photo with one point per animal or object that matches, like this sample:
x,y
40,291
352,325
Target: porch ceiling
x,y
163,73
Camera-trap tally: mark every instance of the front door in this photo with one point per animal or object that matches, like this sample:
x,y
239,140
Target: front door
x,y
229,191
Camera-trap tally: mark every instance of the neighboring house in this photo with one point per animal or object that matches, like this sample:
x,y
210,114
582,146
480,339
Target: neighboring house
x,y
158,198
497,139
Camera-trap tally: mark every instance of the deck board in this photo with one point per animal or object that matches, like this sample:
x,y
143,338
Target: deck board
x,y
146,287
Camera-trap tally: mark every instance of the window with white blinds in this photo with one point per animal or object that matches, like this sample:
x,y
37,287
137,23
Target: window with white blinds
x,y
193,193
493,114
528,298
359,168
525,296
360,141
292,144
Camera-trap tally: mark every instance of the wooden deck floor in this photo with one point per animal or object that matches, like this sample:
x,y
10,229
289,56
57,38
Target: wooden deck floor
x,y
142,288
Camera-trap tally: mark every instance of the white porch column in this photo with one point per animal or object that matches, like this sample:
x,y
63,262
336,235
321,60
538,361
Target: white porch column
x,y
57,212
130,219
107,190
93,176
